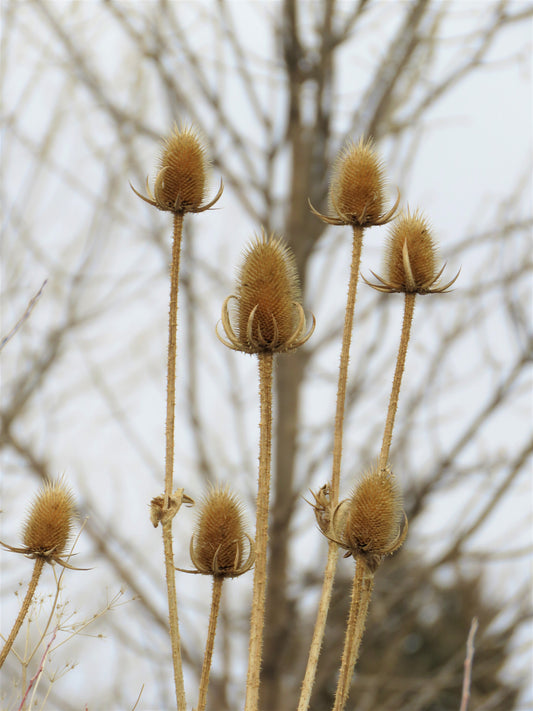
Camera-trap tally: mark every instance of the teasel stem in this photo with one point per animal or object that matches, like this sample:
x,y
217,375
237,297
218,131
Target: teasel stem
x,y
363,584
397,381
343,366
37,570
257,618
169,463
333,549
208,655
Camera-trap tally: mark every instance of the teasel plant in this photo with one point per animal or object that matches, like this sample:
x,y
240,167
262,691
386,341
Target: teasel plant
x,y
220,547
180,188
369,524
269,319
356,198
411,268
45,536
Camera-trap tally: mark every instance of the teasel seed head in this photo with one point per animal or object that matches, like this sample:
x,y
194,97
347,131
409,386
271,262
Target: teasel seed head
x,y
369,523
356,194
220,545
411,262
49,524
269,314
180,184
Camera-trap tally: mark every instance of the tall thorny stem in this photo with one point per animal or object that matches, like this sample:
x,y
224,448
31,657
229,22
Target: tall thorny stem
x,y
257,618
211,631
409,307
169,464
333,551
363,583
32,586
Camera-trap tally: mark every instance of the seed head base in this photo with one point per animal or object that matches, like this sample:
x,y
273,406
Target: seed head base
x,y
255,342
156,199
362,220
411,285
225,572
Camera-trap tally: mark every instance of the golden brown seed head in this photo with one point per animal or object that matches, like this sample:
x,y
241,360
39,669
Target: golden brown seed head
x,y
268,283
49,521
356,192
268,313
411,259
220,541
375,513
183,169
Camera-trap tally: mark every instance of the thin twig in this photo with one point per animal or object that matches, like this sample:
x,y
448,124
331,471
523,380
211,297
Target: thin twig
x,y
39,670
24,317
467,678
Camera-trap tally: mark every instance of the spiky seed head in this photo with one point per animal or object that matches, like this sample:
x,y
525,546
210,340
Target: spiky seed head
x,y
357,184
374,515
183,171
50,520
411,258
220,541
268,283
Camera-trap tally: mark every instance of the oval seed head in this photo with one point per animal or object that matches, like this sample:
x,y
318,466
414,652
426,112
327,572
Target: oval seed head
x,y
220,542
411,258
375,513
49,521
357,184
268,288
183,169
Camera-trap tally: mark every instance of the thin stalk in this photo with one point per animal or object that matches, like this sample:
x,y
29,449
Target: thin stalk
x,y
169,464
208,655
363,583
37,570
333,551
257,618
357,245
397,381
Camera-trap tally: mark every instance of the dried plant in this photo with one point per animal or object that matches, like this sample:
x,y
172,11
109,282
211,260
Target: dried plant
x,y
179,188
218,548
274,171
46,535
270,320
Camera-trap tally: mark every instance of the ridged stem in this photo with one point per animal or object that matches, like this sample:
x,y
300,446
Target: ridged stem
x,y
397,381
169,464
257,618
37,570
208,655
363,583
357,245
333,552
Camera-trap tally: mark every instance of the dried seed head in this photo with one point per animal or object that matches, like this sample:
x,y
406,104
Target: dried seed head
x,y
49,521
220,541
411,262
357,185
183,169
181,181
375,512
411,233
269,315
368,524
268,282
